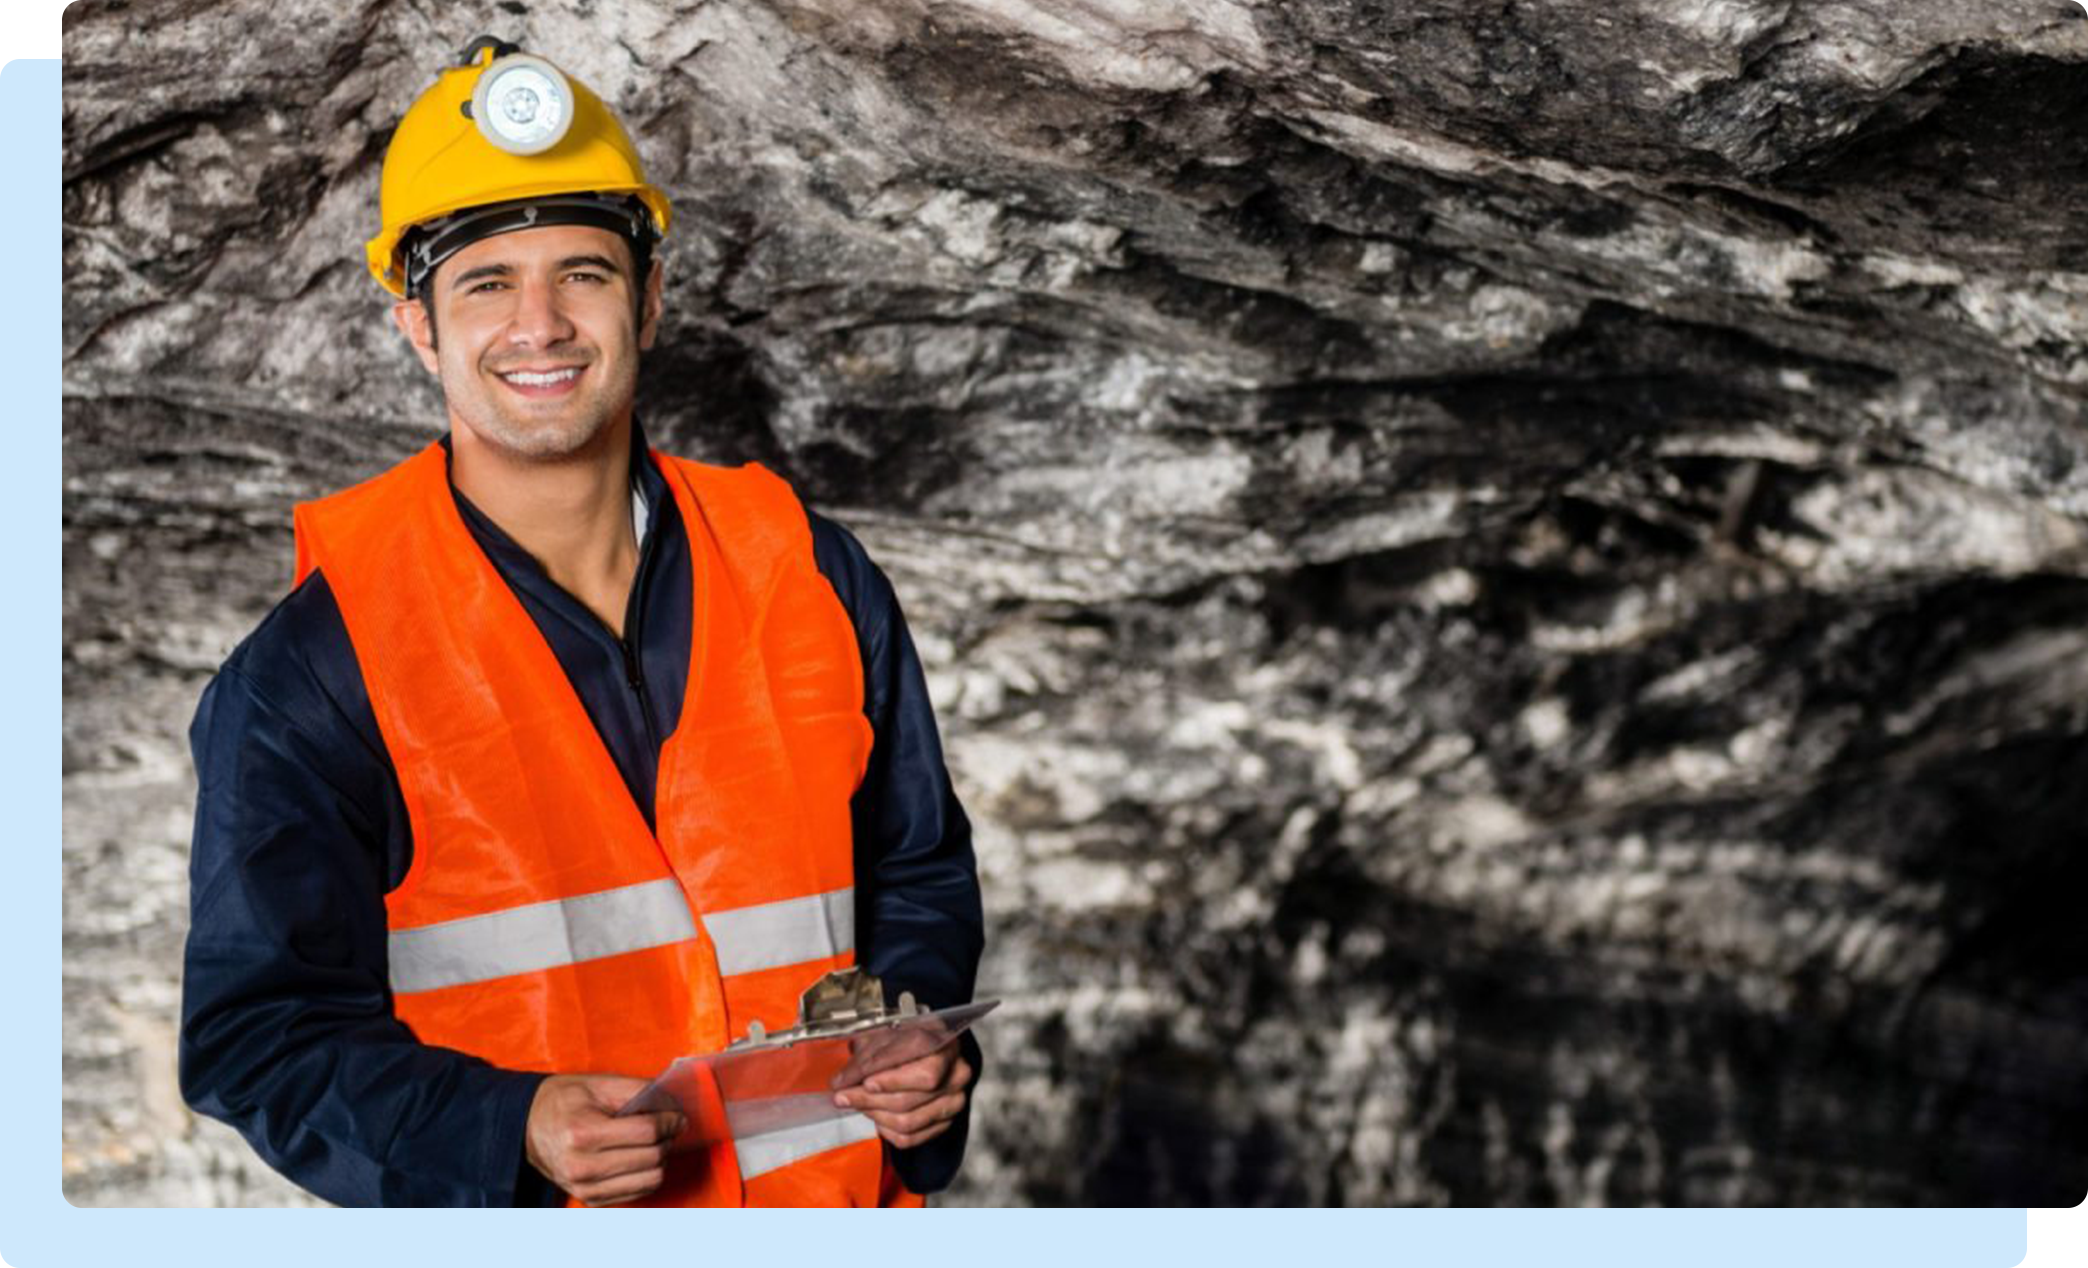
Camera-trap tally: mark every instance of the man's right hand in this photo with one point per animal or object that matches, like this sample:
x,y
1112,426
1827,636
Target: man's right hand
x,y
599,1159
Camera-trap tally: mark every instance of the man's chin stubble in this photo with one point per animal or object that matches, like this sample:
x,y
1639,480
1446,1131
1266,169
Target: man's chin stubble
x,y
553,442
549,445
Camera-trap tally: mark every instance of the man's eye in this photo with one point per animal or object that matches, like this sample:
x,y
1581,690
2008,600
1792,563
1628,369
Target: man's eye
x,y
586,277
484,286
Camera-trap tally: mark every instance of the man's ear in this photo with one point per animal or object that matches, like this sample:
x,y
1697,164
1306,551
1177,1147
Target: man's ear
x,y
411,317
649,329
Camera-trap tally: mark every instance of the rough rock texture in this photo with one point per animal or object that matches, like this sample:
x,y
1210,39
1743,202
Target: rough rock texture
x,y
1507,582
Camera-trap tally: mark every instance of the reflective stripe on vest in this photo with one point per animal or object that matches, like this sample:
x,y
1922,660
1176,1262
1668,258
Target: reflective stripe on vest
x,y
545,935
771,935
770,1150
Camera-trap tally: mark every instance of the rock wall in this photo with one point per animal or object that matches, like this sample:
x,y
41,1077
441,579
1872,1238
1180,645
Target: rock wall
x,y
1507,583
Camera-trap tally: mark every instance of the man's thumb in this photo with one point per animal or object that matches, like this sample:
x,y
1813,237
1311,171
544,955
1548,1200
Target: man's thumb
x,y
613,1091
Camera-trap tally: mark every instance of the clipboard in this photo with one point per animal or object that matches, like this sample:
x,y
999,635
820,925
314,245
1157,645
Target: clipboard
x,y
788,1080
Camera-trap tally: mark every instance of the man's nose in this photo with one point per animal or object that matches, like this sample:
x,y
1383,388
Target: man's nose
x,y
540,320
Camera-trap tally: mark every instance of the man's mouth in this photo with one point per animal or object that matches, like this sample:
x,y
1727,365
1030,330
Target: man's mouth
x,y
542,382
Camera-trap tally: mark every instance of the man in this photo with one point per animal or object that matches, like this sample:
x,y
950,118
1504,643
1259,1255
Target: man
x,y
563,758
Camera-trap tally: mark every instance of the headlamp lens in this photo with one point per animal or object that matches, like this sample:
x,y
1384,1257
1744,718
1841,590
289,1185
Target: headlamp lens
x,y
522,104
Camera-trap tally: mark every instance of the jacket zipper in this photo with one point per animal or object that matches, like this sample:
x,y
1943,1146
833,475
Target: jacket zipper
x,y
631,673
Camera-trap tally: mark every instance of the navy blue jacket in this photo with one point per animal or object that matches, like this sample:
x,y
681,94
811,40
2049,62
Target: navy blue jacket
x,y
287,1030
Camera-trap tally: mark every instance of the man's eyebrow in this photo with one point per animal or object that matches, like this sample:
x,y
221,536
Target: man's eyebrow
x,y
483,270
589,261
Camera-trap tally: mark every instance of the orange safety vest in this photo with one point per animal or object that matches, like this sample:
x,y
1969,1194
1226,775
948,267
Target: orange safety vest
x,y
542,925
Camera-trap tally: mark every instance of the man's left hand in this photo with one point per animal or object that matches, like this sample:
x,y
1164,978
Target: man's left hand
x,y
915,1102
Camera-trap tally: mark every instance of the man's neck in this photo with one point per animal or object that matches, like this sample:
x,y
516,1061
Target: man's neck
x,y
573,515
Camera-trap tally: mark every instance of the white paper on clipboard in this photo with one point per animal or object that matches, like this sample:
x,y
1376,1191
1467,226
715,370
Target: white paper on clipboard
x,y
788,1083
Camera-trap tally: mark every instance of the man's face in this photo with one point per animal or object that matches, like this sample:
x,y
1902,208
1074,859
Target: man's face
x,y
539,338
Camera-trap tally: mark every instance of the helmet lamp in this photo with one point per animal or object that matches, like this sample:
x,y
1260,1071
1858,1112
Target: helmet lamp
x,y
522,104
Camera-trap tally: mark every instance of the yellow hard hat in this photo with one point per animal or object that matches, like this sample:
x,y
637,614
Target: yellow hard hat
x,y
513,135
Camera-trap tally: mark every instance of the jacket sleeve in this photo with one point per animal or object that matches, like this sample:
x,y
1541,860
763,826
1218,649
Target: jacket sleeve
x,y
287,1030
918,914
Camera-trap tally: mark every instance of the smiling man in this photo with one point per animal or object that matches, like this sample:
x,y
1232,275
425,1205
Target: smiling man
x,y
526,337
564,757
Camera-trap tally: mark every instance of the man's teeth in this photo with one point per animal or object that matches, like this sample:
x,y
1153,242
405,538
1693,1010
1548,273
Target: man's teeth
x,y
527,379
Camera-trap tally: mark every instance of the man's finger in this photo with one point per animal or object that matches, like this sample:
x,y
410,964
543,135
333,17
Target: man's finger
x,y
908,1093
599,1166
922,1074
936,1072
913,1120
622,1133
907,1140
882,1050
885,1102
905,1079
649,1128
612,1091
905,1083
627,1188
919,1117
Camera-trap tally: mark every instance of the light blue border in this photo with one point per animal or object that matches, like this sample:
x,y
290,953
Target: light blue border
x,y
39,1229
